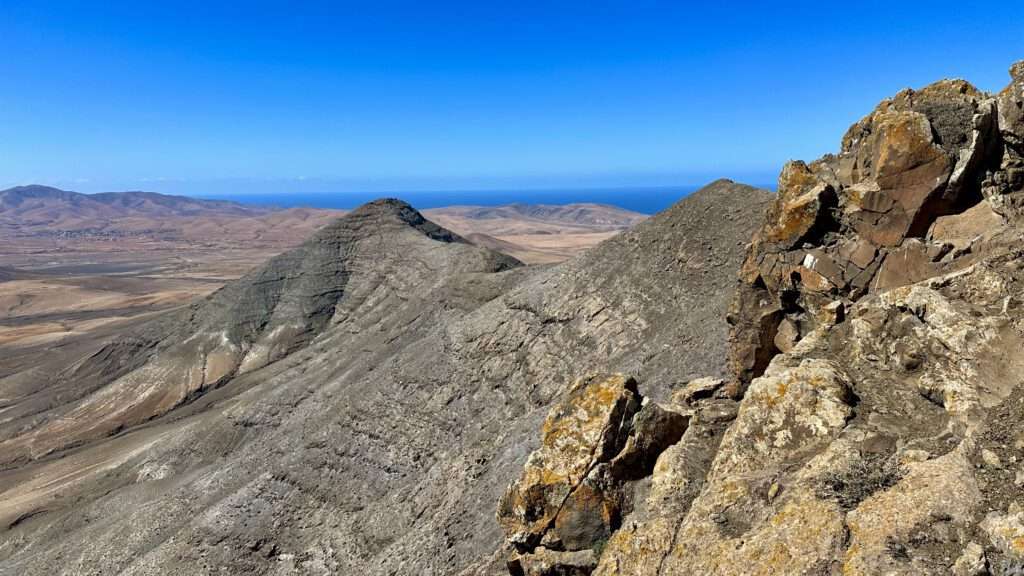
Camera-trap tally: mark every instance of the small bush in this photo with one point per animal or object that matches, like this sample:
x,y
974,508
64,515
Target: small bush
x,y
868,474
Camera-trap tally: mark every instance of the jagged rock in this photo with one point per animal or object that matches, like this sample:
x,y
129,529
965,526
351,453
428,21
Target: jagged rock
x,y
697,389
802,203
911,262
1011,110
787,335
1006,531
574,489
654,429
648,533
972,562
553,498
844,460
544,562
907,197
877,326
977,222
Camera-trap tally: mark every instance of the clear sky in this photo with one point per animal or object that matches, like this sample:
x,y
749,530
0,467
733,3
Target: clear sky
x,y
307,96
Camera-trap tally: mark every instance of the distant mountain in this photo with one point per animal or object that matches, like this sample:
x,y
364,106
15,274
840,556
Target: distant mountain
x,y
537,233
38,204
592,216
534,233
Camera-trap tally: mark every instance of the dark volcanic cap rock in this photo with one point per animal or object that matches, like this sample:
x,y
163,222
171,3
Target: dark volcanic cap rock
x,y
385,209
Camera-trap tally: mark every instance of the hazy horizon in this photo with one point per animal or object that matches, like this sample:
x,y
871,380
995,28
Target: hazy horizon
x,y
644,199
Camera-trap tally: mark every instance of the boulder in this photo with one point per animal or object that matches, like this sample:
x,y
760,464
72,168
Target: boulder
x,y
575,489
972,562
1006,531
552,498
802,201
544,562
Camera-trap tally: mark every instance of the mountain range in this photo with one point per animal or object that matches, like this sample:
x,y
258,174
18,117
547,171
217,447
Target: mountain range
x,y
533,232
440,358
826,380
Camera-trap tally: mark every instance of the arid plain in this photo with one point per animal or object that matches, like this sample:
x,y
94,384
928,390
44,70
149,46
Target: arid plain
x,y
75,266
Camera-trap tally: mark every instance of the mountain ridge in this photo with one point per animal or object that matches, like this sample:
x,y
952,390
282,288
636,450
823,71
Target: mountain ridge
x,y
471,353
36,214
122,204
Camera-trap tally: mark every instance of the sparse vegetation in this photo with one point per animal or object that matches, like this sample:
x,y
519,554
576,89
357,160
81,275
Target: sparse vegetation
x,y
867,475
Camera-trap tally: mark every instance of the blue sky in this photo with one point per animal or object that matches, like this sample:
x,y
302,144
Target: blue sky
x,y
217,97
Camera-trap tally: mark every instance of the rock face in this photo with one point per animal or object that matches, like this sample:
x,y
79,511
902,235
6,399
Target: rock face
x,y
396,383
575,488
901,202
872,423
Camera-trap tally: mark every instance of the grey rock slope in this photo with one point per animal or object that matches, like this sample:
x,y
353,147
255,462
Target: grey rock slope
x,y
265,316
369,415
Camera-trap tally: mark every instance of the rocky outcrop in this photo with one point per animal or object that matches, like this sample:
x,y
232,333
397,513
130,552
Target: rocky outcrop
x,y
575,488
881,444
872,423
917,188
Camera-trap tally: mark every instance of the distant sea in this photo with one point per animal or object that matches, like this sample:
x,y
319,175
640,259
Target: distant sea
x,y
644,200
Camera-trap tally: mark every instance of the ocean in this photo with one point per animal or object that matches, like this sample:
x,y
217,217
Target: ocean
x,y
644,200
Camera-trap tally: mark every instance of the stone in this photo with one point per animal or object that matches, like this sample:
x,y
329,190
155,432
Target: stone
x,y
787,335
909,263
697,389
822,263
1011,108
588,426
544,562
801,202
977,221
860,253
832,313
575,488
991,459
1006,532
654,429
972,562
